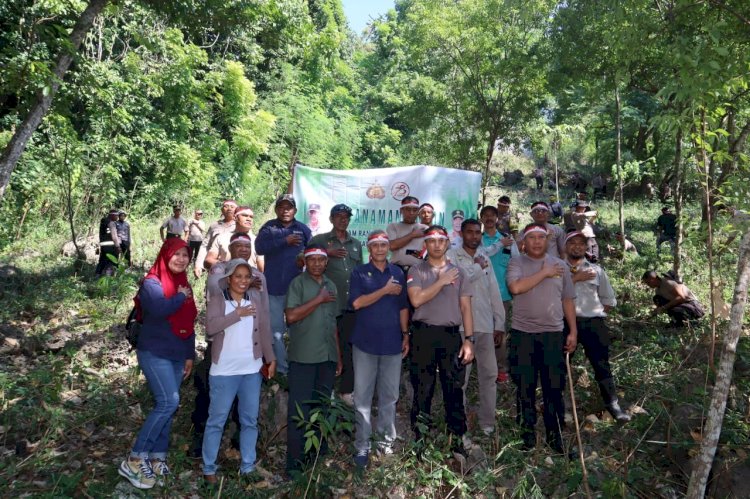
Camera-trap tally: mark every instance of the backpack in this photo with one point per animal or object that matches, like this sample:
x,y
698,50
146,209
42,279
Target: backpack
x,y
133,328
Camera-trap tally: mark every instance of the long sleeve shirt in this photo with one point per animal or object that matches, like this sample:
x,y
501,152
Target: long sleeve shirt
x,y
486,303
156,334
280,258
594,294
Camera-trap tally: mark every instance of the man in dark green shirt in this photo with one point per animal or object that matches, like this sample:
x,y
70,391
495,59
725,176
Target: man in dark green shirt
x,y
314,357
344,253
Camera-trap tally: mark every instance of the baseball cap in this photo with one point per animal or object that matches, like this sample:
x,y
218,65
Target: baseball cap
x,y
341,208
288,198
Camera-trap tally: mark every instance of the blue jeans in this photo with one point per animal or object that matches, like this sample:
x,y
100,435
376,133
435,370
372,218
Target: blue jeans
x,y
223,390
383,371
278,328
164,377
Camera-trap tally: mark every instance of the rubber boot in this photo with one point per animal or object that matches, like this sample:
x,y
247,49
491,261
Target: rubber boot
x,y
609,396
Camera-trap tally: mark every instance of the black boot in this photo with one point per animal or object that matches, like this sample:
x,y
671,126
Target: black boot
x,y
554,440
609,395
529,440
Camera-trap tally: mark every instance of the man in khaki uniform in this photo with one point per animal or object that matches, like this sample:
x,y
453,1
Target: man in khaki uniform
x,y
489,317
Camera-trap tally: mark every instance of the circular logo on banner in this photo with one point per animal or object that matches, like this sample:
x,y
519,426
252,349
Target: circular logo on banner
x,y
399,190
375,191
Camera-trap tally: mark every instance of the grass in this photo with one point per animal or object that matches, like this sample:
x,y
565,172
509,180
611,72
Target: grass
x,y
69,415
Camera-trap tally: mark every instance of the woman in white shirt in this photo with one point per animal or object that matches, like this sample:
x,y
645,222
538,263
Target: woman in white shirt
x,y
238,319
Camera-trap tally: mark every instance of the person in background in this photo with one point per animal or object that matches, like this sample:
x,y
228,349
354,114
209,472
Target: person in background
x,y
440,293
583,222
628,246
666,229
674,299
488,317
407,236
166,349
426,214
490,238
557,210
599,185
506,221
540,212
344,253
539,178
123,233
196,230
594,299
238,319
543,299
281,240
109,243
224,224
380,340
243,224
176,226
314,356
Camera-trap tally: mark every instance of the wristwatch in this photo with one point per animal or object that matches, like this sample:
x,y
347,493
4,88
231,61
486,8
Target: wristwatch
x,y
470,338
406,333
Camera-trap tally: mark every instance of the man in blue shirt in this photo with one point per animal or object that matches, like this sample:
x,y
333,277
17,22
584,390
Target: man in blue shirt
x,y
380,340
490,236
281,241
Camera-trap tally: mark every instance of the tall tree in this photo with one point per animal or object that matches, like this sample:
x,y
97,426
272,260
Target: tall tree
x,y
44,96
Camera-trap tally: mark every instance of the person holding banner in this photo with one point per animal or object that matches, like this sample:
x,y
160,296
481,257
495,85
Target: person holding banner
x,y
407,236
441,295
380,341
344,253
281,240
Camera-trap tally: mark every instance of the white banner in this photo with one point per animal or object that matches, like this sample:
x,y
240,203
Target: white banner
x,y
375,195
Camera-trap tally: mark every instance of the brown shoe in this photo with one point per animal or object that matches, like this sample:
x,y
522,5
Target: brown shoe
x,y
210,479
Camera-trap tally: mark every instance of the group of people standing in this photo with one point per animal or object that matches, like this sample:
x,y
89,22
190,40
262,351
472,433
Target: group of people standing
x,y
309,307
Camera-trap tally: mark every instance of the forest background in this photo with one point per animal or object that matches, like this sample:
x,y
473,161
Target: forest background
x,y
189,102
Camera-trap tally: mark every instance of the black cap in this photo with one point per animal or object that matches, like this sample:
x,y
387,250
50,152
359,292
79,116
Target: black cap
x,y
341,208
458,214
288,198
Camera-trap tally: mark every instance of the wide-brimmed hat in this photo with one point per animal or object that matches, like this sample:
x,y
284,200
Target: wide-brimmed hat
x,y
229,269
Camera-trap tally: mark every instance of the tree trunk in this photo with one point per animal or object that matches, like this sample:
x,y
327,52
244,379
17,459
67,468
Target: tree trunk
x,y
618,161
39,108
490,153
678,176
703,461
710,239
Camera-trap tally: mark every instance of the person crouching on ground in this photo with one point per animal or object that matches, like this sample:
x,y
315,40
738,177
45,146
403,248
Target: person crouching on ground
x,y
314,356
166,349
239,322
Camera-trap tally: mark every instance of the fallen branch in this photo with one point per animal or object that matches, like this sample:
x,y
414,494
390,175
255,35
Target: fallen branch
x,y
578,430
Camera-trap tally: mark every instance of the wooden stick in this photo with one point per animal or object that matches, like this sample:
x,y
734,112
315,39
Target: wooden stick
x,y
578,430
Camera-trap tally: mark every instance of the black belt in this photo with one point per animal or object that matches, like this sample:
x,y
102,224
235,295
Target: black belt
x,y
424,325
171,235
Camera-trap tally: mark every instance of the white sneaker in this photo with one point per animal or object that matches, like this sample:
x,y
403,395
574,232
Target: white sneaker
x,y
138,472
